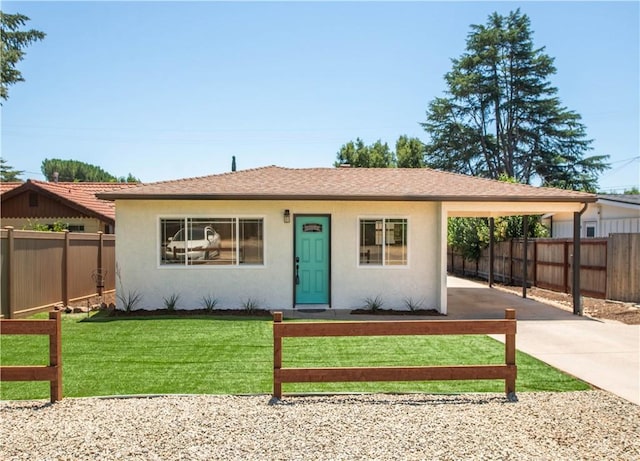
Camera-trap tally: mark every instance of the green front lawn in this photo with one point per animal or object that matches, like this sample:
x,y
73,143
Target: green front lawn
x,y
234,355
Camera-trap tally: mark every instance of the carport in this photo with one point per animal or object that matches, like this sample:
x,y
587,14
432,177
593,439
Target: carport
x,y
482,206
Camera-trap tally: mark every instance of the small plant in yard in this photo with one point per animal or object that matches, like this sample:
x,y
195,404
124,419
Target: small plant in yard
x,y
171,302
373,304
250,305
412,304
130,299
209,302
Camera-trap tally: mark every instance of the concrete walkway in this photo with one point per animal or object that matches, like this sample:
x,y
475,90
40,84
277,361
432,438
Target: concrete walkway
x,y
605,354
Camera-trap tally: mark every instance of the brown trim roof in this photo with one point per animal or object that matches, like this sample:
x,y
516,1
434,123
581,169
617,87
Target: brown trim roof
x,y
80,196
371,184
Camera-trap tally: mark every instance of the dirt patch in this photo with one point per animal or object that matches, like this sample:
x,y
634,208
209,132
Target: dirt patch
x,y
628,313
107,302
428,312
190,313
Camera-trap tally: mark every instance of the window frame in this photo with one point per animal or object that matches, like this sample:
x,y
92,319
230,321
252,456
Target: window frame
x,y
384,264
187,219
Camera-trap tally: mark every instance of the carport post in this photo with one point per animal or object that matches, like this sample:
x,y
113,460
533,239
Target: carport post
x,y
491,239
525,231
575,288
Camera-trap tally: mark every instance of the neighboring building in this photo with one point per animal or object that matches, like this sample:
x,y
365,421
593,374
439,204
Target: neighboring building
x,y
287,238
610,214
72,203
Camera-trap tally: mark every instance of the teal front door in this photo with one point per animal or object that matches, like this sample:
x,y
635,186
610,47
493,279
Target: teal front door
x,y
311,259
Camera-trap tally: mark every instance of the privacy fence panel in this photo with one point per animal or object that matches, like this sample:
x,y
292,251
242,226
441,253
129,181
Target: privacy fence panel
x,y
83,262
40,269
4,272
552,270
623,265
109,261
593,267
36,274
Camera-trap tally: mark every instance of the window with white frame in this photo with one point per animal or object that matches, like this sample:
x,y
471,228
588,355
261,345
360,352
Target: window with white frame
x,y
211,241
383,242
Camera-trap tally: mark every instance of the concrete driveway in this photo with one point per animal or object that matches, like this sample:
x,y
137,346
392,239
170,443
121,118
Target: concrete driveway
x,y
602,353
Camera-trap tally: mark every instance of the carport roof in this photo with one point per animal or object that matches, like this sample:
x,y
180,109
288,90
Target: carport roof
x,y
352,184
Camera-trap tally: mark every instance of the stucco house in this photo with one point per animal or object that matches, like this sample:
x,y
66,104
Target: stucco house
x,y
610,214
74,204
290,238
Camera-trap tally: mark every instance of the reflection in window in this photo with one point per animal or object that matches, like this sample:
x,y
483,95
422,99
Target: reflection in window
x,y
383,242
211,241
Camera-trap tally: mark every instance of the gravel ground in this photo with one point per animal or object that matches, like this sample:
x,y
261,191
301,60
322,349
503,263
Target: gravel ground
x,y
586,425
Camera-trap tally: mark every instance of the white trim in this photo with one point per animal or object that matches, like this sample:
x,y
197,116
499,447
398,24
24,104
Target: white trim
x,y
383,266
497,209
444,216
237,265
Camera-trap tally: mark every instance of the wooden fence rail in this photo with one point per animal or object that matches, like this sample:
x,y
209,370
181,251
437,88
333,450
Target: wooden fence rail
x,y
506,371
52,372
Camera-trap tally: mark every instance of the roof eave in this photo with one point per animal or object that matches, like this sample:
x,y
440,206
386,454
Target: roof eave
x,y
347,198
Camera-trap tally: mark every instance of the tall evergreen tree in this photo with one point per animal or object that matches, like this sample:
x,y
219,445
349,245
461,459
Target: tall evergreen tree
x,y
501,115
13,41
8,173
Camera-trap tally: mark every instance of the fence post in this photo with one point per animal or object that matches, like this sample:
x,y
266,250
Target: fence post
x,y
55,357
100,275
10,271
535,263
565,267
65,270
510,261
277,356
510,354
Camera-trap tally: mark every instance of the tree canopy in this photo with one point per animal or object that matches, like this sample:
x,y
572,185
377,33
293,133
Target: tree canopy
x,y
76,171
8,173
501,115
409,153
13,43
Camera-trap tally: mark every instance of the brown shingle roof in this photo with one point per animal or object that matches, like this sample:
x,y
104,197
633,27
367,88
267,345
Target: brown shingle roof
x,y
78,195
418,184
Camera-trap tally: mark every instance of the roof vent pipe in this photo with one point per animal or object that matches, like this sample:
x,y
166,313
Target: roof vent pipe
x,y
56,175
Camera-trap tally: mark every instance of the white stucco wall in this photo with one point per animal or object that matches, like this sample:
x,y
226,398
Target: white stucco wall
x,y
138,258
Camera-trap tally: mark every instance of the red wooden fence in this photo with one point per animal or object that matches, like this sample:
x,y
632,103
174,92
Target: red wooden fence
x,y
507,371
51,372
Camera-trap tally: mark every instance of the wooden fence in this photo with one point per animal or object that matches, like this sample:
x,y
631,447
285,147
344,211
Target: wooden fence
x,y
41,269
52,372
508,371
608,266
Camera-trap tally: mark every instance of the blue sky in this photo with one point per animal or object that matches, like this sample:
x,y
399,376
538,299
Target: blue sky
x,y
166,90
